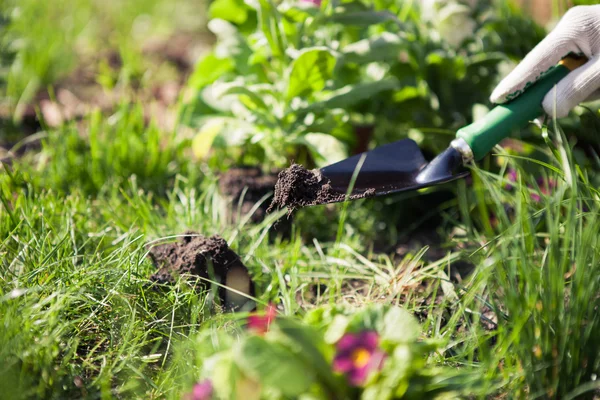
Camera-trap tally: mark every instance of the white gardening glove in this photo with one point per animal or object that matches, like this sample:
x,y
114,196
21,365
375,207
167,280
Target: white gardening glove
x,y
577,32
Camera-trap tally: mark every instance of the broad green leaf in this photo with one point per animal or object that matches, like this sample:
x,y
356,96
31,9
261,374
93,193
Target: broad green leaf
x,y
231,44
235,11
209,69
337,328
214,96
255,100
352,94
222,372
363,18
407,93
386,46
274,366
310,71
312,348
325,148
393,323
202,142
399,326
227,380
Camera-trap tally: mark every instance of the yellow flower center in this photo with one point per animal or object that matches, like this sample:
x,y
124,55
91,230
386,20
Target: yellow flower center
x,y
360,357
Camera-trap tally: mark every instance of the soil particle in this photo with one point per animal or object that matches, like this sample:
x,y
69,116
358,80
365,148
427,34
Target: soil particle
x,y
298,187
205,257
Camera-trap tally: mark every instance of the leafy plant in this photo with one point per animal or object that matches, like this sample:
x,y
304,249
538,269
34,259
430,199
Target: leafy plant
x,y
373,353
300,85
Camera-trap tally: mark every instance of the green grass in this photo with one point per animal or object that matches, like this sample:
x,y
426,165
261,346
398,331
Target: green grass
x,y
80,318
49,39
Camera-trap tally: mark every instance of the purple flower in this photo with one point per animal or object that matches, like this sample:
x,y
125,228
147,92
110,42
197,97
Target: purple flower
x,y
201,391
536,197
511,176
545,187
357,355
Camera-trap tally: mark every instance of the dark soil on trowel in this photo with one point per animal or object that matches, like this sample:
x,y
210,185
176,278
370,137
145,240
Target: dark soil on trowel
x,y
298,187
209,258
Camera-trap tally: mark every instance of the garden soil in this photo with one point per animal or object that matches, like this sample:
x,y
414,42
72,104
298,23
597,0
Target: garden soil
x,y
249,185
208,258
298,187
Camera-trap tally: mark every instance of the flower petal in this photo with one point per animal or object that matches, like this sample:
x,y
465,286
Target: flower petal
x,y
347,343
369,340
377,359
342,364
202,390
358,376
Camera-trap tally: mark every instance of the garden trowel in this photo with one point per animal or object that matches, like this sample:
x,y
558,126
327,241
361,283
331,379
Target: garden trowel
x,y
401,166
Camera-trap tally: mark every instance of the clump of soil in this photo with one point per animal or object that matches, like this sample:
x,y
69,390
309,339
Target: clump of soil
x,y
298,187
209,258
249,185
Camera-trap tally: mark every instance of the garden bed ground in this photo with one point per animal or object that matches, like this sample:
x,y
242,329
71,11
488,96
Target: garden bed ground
x,y
211,260
98,299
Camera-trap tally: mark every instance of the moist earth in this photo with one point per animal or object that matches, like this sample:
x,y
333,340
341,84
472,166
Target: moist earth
x,y
249,185
209,258
298,187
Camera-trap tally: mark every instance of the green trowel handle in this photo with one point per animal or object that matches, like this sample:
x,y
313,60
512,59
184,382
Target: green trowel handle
x,y
504,119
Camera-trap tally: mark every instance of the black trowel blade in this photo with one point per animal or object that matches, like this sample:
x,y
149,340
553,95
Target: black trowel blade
x,y
391,168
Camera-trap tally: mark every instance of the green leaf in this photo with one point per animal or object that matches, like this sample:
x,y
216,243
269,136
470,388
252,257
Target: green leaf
x,y
393,323
298,12
202,142
350,95
208,70
325,148
407,93
254,100
310,71
231,44
274,365
311,347
337,328
269,22
399,326
234,11
222,372
384,47
363,18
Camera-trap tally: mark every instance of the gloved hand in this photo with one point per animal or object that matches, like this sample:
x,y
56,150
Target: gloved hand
x,y
577,32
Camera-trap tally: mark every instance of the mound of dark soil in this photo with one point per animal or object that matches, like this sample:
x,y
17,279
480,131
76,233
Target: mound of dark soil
x,y
298,187
250,185
209,258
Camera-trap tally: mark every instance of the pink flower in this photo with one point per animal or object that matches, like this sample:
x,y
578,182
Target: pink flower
x,y
201,391
511,176
313,2
357,355
546,186
259,323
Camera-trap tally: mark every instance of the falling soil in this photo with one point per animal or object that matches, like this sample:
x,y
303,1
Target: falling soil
x,y
298,187
208,258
